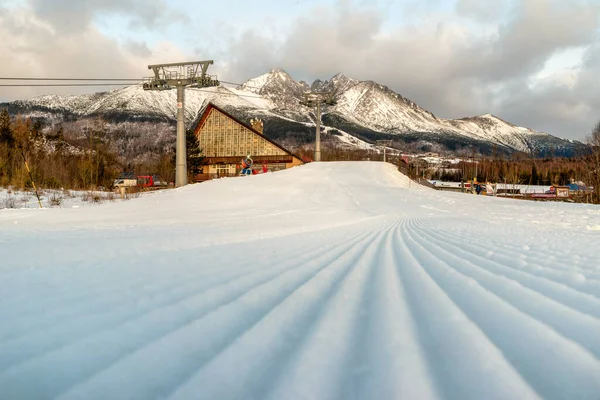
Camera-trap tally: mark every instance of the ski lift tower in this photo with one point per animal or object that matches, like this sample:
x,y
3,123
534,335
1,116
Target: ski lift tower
x,y
315,99
177,76
384,144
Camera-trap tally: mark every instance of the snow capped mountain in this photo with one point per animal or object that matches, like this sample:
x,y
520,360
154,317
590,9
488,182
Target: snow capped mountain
x,y
134,102
375,106
364,109
339,83
279,87
367,104
491,127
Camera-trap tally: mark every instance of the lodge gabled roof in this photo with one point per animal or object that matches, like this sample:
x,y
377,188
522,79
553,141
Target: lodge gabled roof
x,y
210,106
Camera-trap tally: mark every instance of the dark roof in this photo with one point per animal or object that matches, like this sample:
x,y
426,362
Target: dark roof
x,y
204,116
127,175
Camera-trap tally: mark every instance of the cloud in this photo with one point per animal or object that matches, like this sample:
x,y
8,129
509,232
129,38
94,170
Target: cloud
x,y
467,60
137,48
481,10
537,30
32,47
446,64
68,17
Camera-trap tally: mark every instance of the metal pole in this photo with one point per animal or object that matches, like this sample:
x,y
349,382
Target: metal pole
x,y
179,75
384,147
318,140
181,155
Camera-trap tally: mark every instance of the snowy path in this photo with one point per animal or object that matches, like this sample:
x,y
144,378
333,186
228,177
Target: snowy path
x,y
329,281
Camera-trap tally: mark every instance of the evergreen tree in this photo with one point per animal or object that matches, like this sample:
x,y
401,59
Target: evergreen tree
x,y
7,149
501,172
534,175
6,134
194,155
60,140
36,130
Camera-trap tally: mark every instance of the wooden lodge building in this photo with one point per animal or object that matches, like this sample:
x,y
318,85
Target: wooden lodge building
x,y
225,141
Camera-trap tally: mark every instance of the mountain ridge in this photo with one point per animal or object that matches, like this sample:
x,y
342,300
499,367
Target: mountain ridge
x,y
365,110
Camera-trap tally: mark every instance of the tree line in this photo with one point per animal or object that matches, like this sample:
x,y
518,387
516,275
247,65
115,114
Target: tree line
x,y
79,156
526,171
521,168
53,161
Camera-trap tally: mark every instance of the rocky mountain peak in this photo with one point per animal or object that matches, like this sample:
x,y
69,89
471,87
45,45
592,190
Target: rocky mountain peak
x,y
276,78
278,70
279,87
341,79
362,106
318,85
338,83
493,119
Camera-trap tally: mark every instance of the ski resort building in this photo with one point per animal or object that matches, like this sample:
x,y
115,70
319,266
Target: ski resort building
x,y
225,141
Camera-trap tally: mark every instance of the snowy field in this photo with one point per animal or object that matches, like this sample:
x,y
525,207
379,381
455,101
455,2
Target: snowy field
x,y
58,198
326,281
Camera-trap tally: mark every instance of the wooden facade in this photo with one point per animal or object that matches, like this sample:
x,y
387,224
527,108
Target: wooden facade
x,y
225,141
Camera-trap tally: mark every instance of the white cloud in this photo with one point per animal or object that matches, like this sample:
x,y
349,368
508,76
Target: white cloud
x,y
448,61
482,10
32,47
446,65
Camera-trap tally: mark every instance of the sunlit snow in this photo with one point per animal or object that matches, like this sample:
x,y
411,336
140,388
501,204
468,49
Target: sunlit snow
x,y
327,281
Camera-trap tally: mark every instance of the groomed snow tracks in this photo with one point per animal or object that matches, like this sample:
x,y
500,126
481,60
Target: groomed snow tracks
x,y
399,311
391,307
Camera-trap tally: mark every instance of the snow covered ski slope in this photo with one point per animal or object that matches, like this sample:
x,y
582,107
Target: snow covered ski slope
x,y
326,281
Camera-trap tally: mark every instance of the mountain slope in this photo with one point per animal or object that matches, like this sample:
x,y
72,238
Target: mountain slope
x,y
364,109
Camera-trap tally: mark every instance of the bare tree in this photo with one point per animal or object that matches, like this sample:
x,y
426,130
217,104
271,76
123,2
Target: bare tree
x,y
593,162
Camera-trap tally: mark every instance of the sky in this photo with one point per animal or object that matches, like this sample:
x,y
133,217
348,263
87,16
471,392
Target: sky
x,y
533,63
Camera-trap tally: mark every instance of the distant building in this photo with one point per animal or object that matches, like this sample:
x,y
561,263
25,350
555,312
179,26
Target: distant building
x,y
578,187
225,141
562,191
126,179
